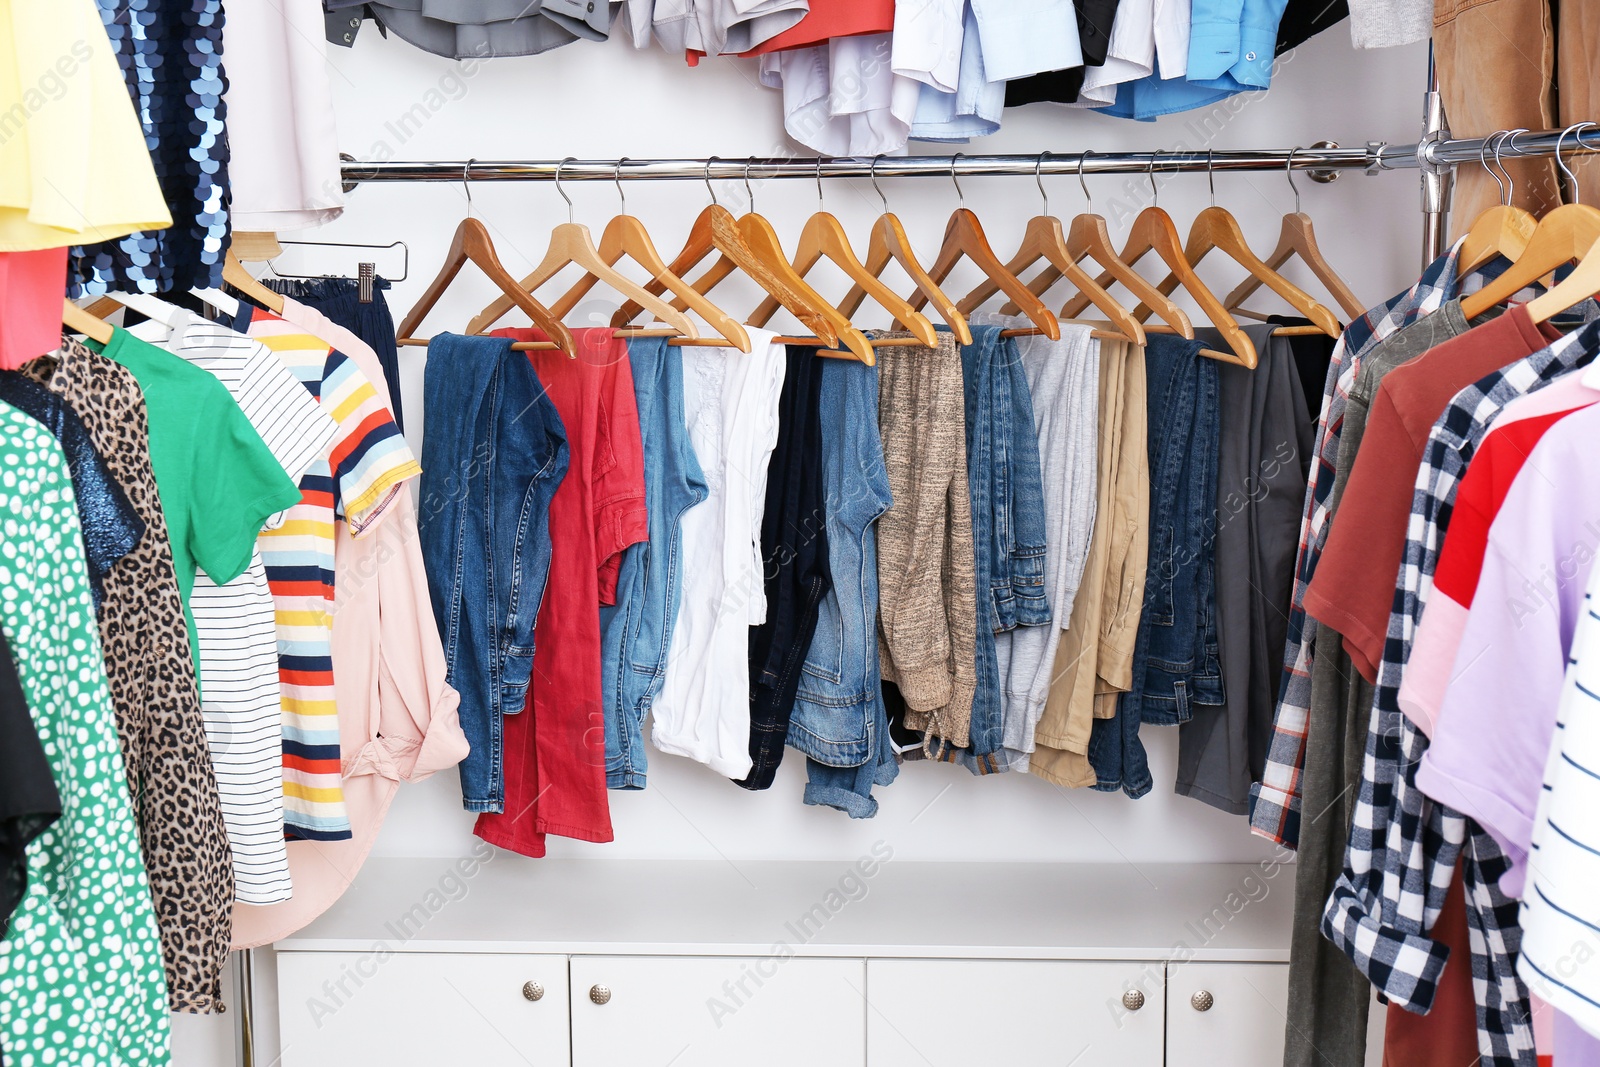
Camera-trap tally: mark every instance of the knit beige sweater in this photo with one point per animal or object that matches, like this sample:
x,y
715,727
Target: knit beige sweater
x,y
927,601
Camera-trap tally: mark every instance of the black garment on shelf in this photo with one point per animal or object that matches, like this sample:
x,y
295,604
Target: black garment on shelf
x,y
794,544
1095,18
339,299
1304,19
111,527
29,801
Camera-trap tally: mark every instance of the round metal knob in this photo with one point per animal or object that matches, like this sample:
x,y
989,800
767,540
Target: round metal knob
x,y
532,991
1133,1000
599,994
1202,1000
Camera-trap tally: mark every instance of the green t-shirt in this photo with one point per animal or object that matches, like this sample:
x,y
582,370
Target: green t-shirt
x,y
217,479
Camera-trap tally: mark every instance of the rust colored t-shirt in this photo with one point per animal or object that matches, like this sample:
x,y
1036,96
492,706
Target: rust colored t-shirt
x,y
1353,589
555,751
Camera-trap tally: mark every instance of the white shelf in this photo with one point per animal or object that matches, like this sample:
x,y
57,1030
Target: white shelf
x,y
1217,912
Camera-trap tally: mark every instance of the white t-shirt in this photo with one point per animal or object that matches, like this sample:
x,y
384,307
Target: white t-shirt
x,y
730,403
1560,959
235,624
284,167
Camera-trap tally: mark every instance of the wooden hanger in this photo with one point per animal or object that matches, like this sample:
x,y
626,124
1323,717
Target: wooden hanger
x,y
572,245
717,231
889,241
1567,233
1087,238
234,274
255,247
627,236
1043,239
759,235
1215,228
472,244
1502,230
1297,238
1154,231
78,320
964,237
824,238
1580,285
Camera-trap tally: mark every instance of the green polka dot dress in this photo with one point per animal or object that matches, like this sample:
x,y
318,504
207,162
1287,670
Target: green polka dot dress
x,y
81,980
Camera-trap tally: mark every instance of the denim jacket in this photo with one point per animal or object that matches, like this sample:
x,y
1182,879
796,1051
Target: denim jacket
x,y
493,454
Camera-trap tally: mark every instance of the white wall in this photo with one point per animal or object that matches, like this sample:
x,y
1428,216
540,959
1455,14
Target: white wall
x,y
607,101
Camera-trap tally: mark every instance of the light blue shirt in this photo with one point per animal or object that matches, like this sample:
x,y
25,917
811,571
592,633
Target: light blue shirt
x,y
1231,45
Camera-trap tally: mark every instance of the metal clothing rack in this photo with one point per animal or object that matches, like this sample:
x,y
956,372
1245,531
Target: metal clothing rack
x,y
1324,157
1434,156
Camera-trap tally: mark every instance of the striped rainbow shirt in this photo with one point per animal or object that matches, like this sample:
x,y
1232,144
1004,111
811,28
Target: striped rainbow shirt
x,y
354,480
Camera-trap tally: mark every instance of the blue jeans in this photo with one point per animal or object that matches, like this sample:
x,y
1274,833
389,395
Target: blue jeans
x,y
636,632
839,721
1176,655
1008,529
493,453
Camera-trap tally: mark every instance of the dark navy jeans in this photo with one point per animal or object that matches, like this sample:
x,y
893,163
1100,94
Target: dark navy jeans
x,y
493,454
1008,527
839,721
1176,654
636,632
794,549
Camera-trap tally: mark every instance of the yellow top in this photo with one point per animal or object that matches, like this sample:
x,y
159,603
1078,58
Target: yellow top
x,y
74,168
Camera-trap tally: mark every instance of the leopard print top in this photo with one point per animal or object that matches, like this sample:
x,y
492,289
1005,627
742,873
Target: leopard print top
x,y
148,663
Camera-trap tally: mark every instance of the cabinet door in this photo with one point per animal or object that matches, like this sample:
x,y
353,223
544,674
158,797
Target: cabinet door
x,y
956,1013
717,1010
418,1009
1226,1014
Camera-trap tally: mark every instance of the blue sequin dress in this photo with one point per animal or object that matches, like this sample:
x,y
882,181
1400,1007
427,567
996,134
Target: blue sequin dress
x,y
170,52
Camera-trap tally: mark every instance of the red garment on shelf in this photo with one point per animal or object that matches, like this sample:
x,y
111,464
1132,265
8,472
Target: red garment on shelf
x,y
555,750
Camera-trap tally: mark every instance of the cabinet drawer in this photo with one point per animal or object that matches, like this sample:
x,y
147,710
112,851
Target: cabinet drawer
x,y
956,1013
714,1011
1243,1018
420,1008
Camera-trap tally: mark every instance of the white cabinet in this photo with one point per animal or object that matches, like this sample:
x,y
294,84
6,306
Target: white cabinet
x,y
711,1011
341,1008
1226,1014
955,1013
1055,965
